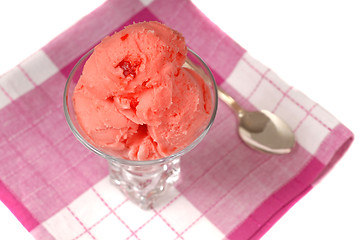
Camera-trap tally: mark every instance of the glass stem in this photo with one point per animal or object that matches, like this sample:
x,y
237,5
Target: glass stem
x,y
144,184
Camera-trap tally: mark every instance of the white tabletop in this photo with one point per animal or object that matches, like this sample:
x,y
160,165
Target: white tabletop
x,y
312,44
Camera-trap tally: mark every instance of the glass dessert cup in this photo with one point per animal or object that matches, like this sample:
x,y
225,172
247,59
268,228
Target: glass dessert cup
x,y
143,182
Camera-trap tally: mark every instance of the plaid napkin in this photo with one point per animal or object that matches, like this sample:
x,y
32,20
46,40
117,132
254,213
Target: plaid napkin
x,y
60,190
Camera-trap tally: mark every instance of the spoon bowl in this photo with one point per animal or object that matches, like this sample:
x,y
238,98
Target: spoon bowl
x,y
261,130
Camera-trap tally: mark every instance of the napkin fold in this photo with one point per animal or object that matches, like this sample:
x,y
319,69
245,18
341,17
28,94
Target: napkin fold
x,y
59,190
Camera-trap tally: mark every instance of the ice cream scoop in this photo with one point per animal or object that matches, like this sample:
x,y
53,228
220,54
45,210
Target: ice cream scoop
x,y
135,99
261,130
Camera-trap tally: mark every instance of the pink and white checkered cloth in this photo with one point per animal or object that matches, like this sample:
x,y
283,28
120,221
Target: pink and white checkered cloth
x,y
60,190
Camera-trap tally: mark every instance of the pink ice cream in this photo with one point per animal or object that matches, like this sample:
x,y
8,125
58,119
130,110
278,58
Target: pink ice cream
x,y
134,98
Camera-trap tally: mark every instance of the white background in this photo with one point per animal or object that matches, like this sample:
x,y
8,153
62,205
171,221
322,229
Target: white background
x,y
312,44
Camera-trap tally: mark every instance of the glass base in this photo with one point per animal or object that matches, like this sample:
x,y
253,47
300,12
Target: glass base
x,y
144,184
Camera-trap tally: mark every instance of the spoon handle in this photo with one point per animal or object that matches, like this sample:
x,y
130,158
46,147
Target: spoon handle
x,y
225,97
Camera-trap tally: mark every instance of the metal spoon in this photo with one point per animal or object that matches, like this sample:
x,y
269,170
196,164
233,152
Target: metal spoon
x,y
261,130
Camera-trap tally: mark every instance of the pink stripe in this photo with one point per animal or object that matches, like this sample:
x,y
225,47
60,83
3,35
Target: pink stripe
x,y
6,93
112,211
100,220
305,117
168,225
265,77
138,229
17,208
88,230
80,222
258,83
27,76
281,100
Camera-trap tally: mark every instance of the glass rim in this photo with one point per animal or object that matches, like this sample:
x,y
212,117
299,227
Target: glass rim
x,y
127,161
